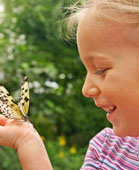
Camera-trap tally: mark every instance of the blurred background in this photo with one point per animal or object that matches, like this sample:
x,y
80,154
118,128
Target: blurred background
x,y
31,43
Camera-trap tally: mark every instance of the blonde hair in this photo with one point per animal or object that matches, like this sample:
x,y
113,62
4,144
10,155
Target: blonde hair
x,y
123,11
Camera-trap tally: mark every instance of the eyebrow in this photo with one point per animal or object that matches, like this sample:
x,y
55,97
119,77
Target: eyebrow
x,y
95,56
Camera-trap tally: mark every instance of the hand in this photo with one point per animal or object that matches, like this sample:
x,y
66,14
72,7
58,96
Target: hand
x,y
25,139
14,132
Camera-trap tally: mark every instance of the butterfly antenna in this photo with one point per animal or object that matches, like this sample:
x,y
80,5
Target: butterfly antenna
x,y
25,78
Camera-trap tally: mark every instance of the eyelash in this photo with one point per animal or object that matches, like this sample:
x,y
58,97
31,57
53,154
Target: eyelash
x,y
101,71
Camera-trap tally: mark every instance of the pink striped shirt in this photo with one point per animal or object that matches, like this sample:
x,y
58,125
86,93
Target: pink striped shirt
x,y
109,152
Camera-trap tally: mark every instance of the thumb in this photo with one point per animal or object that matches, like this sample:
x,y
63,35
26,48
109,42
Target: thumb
x,y
3,120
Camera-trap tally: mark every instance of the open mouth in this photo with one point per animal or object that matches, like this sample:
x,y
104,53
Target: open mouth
x,y
110,113
109,109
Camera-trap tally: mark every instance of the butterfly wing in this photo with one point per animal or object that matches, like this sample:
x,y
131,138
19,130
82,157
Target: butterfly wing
x,y
24,97
8,106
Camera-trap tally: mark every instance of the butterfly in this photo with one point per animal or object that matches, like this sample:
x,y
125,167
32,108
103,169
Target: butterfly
x,y
9,108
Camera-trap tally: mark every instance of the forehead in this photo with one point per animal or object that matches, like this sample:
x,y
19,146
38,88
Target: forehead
x,y
90,25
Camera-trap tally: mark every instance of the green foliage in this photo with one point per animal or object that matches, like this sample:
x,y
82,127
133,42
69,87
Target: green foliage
x,y
61,156
30,43
8,158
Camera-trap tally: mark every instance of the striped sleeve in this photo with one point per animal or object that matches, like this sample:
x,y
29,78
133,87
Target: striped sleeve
x,y
92,157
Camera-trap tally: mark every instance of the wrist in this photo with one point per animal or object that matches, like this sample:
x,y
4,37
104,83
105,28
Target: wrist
x,y
28,137
32,153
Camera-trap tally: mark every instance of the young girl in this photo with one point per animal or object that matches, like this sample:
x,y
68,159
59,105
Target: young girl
x,y
108,43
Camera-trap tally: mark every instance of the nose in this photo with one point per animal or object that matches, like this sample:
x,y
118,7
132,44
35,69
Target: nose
x,y
90,88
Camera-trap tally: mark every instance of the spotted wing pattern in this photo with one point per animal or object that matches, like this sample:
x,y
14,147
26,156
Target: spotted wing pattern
x,y
8,106
24,97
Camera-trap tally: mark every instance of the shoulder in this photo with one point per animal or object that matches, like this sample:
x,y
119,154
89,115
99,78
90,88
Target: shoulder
x,y
102,137
96,145
107,139
117,151
106,132
107,150
98,141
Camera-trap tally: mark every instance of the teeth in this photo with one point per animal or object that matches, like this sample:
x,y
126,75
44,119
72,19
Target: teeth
x,y
109,109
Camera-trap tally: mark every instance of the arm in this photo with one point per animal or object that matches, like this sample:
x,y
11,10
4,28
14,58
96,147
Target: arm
x,y
25,139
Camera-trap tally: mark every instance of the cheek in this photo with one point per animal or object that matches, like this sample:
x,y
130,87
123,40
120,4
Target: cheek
x,y
121,89
115,87
112,85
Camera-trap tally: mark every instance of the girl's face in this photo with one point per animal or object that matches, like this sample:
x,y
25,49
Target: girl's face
x,y
110,53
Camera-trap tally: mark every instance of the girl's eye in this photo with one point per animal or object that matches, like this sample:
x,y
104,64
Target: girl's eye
x,y
101,71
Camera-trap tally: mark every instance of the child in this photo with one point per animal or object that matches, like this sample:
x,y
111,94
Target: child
x,y
108,43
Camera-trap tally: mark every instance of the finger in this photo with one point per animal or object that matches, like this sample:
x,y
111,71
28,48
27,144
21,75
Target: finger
x,y
3,120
